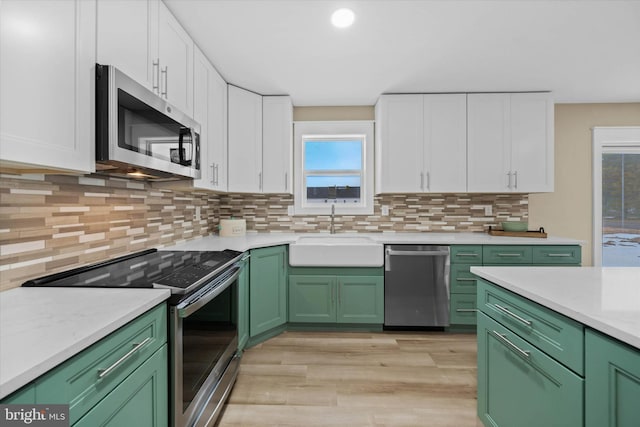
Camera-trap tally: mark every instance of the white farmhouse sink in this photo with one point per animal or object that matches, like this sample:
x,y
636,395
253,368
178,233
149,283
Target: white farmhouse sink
x,y
336,251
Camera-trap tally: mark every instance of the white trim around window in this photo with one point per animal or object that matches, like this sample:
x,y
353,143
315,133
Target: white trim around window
x,y
607,139
333,130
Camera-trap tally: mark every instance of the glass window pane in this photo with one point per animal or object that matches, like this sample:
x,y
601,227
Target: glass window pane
x,y
333,155
620,209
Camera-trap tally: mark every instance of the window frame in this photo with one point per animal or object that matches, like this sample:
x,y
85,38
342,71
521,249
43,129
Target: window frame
x,y
334,130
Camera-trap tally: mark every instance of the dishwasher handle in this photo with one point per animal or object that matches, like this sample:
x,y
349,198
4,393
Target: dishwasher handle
x,y
392,252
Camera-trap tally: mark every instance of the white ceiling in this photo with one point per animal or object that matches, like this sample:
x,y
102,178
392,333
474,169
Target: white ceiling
x,y
583,51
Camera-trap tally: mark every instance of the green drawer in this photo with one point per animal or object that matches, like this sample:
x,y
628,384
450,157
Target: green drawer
x,y
466,254
507,254
557,255
553,333
519,385
463,309
462,280
76,382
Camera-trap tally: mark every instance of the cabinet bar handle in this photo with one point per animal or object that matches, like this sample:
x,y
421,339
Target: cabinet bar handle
x,y
509,255
512,314
465,279
166,73
466,254
558,255
155,77
136,347
466,310
286,181
428,181
515,174
213,173
524,353
259,180
421,181
509,179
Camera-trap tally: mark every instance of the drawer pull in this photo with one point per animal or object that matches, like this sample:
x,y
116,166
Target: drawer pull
x,y
466,254
512,314
509,255
559,255
466,310
136,347
524,353
465,279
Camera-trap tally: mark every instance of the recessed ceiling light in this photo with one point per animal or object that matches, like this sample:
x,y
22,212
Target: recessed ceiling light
x,y
342,18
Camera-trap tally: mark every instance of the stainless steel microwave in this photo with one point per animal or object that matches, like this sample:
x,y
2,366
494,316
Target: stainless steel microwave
x,y
139,134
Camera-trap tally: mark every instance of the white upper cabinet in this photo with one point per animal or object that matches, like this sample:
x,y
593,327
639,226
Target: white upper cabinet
x,y
176,62
399,143
128,38
510,142
445,143
47,84
421,143
144,40
245,141
277,144
210,110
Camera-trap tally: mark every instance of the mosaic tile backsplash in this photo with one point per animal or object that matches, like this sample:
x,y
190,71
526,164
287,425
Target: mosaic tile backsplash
x,y
51,223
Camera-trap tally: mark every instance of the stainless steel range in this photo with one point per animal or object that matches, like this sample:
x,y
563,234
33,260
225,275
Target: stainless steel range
x,y
203,319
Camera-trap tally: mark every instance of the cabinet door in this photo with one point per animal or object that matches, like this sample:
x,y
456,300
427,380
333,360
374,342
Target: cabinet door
x,y
277,144
399,144
612,384
202,70
519,385
140,400
245,141
267,289
218,130
360,299
129,41
47,82
445,143
531,131
488,143
175,49
312,299
462,280
243,305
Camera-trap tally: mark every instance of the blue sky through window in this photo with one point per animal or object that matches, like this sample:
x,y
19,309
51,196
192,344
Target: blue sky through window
x,y
333,155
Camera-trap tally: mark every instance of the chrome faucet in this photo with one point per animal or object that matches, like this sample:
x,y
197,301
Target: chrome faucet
x,y
332,227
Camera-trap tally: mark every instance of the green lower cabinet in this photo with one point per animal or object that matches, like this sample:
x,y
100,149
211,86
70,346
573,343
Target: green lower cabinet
x,y
140,400
312,299
612,396
267,289
360,299
335,298
519,385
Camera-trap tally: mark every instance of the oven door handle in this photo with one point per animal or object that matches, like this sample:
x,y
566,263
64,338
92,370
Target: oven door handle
x,y
189,309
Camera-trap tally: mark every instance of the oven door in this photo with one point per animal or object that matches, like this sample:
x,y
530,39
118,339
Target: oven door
x,y
205,359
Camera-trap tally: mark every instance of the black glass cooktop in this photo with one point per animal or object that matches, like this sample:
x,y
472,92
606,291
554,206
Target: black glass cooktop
x,y
175,270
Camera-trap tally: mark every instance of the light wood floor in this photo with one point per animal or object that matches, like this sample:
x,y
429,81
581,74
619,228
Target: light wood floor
x,y
357,379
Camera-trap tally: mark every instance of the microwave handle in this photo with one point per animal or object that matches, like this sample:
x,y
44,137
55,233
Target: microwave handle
x,y
183,132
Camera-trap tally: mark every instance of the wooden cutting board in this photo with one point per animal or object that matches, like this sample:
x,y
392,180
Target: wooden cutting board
x,y
539,233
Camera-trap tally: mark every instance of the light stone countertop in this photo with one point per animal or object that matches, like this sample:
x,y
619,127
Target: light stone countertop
x,y
43,327
605,299
257,240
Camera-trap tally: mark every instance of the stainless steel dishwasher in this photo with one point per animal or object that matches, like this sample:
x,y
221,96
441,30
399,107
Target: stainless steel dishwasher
x,y
416,286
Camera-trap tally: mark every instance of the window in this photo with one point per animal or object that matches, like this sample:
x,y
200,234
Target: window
x,y
334,166
616,197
